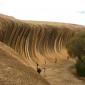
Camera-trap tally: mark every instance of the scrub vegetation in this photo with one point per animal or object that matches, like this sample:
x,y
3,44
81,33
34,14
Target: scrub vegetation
x,y
76,48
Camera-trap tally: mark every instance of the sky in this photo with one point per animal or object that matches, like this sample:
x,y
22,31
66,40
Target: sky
x,y
68,11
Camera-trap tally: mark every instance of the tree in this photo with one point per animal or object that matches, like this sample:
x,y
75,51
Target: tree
x,y
76,46
80,67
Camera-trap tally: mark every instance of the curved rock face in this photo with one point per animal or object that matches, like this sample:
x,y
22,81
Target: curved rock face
x,y
37,44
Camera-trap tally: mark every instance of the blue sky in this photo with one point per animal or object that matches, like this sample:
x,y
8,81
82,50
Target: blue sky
x,y
69,11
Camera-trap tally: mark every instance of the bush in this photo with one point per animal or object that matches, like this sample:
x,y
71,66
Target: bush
x,y
80,67
76,46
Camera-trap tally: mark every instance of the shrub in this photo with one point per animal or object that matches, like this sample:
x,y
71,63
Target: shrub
x,y
76,46
80,67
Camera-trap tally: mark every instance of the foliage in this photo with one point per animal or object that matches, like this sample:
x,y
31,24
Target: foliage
x,y
76,46
80,67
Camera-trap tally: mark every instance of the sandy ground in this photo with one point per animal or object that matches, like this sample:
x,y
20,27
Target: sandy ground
x,y
14,72
62,73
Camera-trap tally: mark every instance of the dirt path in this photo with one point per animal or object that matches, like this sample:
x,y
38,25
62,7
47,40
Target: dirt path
x,y
62,74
